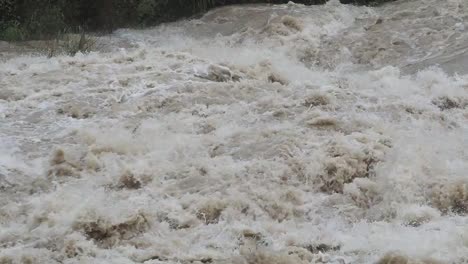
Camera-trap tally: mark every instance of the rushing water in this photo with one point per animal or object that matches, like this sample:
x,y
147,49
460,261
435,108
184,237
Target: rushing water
x,y
254,135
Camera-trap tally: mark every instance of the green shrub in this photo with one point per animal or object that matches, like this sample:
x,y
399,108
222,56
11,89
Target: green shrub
x,y
366,2
147,11
70,44
12,32
203,5
74,43
45,23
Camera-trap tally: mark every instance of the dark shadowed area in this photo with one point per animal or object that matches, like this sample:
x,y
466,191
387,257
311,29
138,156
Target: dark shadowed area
x,y
45,19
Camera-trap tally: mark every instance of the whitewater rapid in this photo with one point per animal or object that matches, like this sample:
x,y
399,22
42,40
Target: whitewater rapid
x,y
255,134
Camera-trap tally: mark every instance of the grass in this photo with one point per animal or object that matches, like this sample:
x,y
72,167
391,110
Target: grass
x,y
71,44
83,43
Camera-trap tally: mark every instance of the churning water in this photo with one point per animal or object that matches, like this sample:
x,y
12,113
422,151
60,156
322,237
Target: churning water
x,y
254,135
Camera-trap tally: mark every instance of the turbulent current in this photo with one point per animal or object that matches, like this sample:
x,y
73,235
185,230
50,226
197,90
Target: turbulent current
x,y
255,134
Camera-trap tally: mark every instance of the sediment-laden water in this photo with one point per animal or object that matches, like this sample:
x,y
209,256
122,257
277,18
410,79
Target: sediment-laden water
x,y
256,134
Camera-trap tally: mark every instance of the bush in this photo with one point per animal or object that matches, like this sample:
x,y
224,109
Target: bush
x,y
74,43
365,2
71,44
12,31
44,23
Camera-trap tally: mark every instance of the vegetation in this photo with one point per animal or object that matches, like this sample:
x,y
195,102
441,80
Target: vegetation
x,y
71,44
46,19
365,2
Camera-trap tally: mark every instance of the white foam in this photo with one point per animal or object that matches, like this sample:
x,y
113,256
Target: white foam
x,y
256,133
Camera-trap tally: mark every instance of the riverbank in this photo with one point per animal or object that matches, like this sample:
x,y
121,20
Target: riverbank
x,y
32,19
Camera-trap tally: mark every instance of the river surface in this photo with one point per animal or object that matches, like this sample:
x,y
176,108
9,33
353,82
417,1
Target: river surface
x,y
255,134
